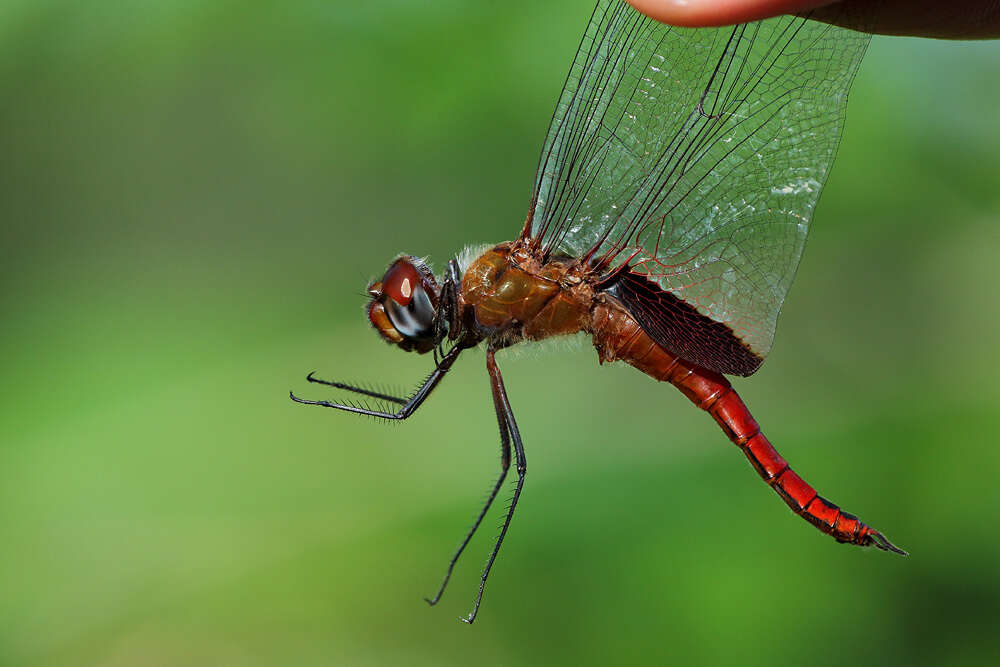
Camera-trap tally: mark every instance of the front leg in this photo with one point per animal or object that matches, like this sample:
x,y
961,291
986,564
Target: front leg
x,y
409,406
448,315
505,417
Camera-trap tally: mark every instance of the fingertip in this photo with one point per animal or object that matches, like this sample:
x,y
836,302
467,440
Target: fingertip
x,y
705,13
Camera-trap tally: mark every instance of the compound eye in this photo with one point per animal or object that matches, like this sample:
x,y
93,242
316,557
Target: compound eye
x,y
400,283
406,300
415,318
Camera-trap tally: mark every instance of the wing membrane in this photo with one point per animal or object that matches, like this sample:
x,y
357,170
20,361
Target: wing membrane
x,y
696,156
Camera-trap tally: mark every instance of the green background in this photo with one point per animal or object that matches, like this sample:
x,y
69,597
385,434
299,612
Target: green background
x,y
194,196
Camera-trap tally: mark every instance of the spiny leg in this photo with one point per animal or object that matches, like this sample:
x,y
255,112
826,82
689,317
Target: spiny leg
x,y
504,467
504,416
357,390
410,405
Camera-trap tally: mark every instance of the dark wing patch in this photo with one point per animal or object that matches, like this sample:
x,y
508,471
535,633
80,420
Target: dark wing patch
x,y
681,329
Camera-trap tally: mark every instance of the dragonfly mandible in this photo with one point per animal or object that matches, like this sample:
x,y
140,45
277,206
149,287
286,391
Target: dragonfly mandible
x,y
670,208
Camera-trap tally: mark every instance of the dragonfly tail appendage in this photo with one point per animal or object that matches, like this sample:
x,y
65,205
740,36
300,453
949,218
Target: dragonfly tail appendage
x,y
713,393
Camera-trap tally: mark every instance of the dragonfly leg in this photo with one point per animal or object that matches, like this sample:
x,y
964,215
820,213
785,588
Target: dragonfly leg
x,y
409,406
357,390
447,319
505,417
504,467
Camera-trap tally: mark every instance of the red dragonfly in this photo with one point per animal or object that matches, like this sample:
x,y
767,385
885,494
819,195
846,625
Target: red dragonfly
x,y
669,212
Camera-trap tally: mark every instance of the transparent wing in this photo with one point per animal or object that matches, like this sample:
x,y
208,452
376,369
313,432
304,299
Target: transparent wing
x,y
696,156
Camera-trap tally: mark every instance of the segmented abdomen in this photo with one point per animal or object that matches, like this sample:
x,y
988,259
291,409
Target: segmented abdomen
x,y
618,336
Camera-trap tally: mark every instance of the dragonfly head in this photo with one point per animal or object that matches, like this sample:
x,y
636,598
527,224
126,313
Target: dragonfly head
x,y
404,304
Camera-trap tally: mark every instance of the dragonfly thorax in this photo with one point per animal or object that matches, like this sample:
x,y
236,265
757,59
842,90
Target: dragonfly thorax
x,y
514,294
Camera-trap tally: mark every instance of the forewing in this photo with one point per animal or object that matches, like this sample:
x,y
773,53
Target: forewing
x,y
697,156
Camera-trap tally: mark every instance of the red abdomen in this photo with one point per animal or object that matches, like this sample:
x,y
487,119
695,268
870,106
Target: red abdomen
x,y
618,336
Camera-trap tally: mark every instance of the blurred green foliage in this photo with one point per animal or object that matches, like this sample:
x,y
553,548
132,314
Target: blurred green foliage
x,y
193,197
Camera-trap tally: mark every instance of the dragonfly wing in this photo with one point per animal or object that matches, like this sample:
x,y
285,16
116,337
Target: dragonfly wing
x,y
696,157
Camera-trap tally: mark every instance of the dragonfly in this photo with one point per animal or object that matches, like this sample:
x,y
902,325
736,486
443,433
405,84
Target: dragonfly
x,y
670,208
